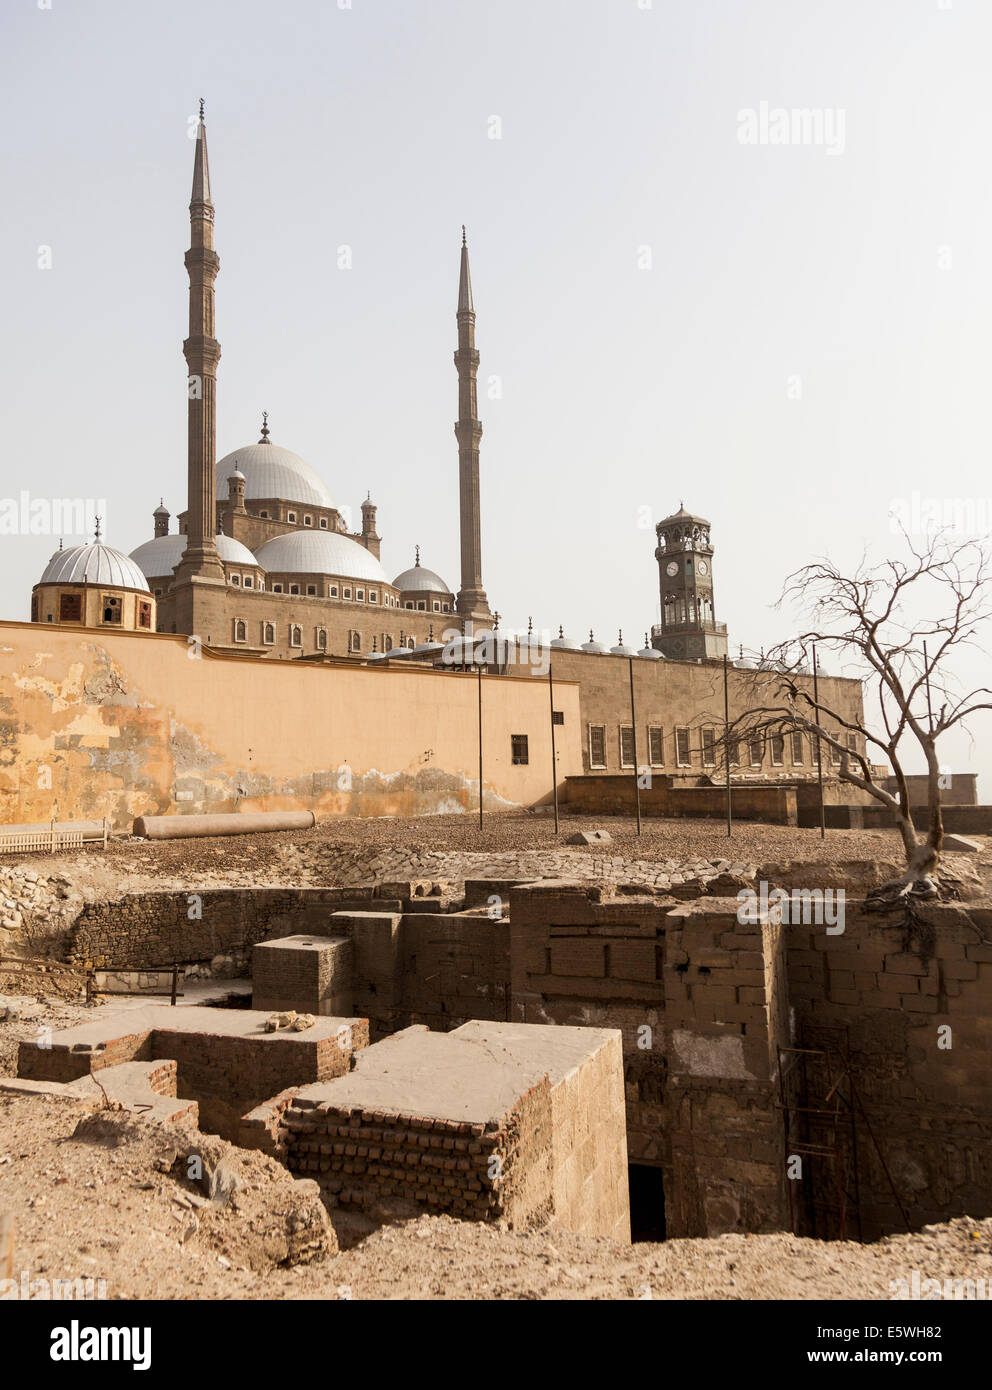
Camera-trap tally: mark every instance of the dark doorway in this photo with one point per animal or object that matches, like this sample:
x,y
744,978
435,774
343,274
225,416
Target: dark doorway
x,y
647,1203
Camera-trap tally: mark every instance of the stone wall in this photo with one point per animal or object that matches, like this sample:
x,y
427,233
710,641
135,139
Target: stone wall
x,y
98,724
614,795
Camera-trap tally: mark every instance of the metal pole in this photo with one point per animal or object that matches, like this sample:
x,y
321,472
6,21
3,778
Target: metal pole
x,y
175,985
926,669
633,730
819,747
554,759
726,741
480,746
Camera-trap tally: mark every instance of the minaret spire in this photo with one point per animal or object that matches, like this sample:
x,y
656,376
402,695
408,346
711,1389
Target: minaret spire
x,y
202,352
471,603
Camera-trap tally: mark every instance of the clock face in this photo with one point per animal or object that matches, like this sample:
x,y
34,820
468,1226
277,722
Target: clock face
x,y
702,567
672,569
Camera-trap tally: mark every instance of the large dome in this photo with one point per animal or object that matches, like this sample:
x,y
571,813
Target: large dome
x,y
161,554
319,552
94,563
271,471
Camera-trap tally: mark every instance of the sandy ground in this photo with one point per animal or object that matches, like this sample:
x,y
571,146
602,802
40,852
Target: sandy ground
x,y
101,1195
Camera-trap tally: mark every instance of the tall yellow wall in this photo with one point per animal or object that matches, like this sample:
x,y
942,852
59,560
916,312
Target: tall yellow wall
x,y
120,724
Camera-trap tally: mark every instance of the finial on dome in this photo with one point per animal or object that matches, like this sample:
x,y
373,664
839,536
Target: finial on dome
x,y
430,634
561,631
96,528
646,642
464,238
416,552
496,618
619,637
201,110
60,542
591,638
265,428
530,626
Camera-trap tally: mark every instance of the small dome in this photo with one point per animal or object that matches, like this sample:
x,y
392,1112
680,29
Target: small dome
x,y
620,649
593,646
271,471
94,563
236,477
563,643
319,552
161,510
162,554
420,580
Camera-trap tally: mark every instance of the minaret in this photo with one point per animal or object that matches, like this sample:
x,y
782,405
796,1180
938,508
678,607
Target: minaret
x,y
370,537
688,630
471,602
161,518
202,352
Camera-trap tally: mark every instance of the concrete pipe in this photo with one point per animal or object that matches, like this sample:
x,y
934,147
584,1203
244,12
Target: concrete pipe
x,y
193,827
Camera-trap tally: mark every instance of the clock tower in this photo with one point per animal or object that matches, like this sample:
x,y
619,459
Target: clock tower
x,y
688,630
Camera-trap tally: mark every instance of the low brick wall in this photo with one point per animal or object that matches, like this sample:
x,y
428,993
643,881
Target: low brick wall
x,y
614,795
141,930
369,1159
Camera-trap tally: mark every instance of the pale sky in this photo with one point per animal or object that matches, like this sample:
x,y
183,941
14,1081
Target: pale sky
x,y
791,337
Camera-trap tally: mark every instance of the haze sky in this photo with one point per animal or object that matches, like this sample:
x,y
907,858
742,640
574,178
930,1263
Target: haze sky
x,y
790,337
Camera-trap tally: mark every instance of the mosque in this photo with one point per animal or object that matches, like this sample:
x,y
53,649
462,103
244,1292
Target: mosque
x,y
263,563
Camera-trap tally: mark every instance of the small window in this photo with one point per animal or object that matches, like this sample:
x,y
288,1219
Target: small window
x,y
387,643
311,591
373,596
240,630
268,634
294,588
265,515
421,606
249,583
323,523
236,579
332,591
291,516
683,756
410,644
733,752
709,748
277,588
321,639
354,641
557,716
755,751
656,746
70,608
518,749
447,607
437,606
144,613
308,521
597,745
158,593
852,743
347,593
359,595
626,746
835,752
113,611
778,750
797,749
408,604
295,635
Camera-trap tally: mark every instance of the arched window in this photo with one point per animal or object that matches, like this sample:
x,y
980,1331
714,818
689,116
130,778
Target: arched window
x,y
240,630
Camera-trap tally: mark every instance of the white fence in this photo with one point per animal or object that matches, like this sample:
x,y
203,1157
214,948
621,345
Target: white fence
x,y
56,835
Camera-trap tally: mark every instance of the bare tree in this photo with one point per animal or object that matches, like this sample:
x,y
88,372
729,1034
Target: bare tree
x,y
877,619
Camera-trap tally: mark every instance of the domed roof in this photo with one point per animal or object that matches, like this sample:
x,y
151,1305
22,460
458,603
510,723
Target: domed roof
x,y
649,653
564,643
271,471
161,554
593,646
420,580
620,649
319,552
94,563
